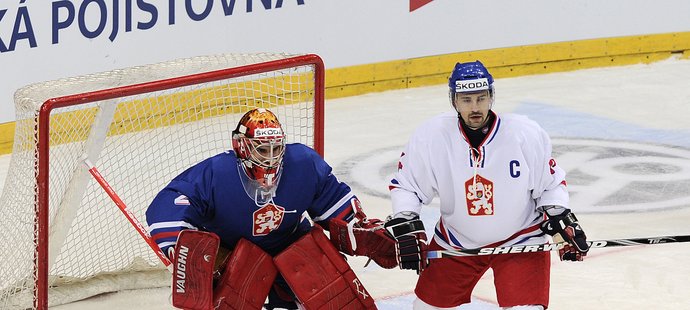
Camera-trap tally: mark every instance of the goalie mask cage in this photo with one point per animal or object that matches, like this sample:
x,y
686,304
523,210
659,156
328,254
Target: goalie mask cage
x,y
63,239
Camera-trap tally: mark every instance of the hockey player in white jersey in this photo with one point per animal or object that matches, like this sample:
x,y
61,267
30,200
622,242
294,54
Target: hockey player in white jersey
x,y
498,186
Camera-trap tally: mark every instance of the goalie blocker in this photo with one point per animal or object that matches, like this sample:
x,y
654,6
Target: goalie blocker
x,y
314,269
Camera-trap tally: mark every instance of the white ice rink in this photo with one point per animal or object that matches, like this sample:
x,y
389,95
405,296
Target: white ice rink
x,y
623,135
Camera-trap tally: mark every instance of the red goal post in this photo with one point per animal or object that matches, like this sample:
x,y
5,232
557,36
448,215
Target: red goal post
x,y
142,126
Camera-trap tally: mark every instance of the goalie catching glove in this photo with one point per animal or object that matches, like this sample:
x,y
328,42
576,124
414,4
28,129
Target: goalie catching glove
x,y
408,231
566,226
363,237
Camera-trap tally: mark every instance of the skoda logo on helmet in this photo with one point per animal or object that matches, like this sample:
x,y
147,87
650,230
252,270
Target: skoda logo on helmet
x,y
471,85
267,132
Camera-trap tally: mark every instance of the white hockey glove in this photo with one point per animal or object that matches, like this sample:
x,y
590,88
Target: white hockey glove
x,y
408,231
567,227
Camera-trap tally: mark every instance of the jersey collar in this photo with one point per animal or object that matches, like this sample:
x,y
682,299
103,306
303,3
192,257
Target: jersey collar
x,y
492,129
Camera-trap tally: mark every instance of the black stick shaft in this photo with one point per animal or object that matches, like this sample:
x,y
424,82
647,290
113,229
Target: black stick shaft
x,y
556,246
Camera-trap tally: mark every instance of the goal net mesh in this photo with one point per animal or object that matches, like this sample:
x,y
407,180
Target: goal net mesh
x,y
139,142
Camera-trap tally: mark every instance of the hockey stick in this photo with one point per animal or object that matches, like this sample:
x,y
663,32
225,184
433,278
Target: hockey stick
x,y
556,246
132,219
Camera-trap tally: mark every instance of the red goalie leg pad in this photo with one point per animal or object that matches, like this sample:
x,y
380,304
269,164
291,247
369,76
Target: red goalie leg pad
x,y
319,275
248,276
195,254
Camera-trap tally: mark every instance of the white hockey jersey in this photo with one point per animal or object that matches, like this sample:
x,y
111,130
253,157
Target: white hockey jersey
x,y
490,197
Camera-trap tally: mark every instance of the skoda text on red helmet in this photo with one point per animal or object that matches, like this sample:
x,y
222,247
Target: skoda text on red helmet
x,y
259,143
469,77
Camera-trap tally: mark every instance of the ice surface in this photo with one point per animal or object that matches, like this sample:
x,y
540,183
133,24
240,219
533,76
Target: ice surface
x,y
622,134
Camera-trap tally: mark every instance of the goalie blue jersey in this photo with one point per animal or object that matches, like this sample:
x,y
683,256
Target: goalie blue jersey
x,y
209,196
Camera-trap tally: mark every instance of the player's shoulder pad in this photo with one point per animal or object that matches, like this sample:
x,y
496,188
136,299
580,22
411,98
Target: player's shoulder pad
x,y
441,120
299,151
520,123
222,160
435,127
299,147
189,180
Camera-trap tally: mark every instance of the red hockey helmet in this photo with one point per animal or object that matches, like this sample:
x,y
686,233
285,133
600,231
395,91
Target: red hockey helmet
x,y
259,143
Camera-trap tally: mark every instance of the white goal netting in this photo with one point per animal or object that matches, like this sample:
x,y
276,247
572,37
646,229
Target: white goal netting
x,y
141,126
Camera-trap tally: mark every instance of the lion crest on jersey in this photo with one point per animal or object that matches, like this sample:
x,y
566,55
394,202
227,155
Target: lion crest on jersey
x,y
480,196
267,219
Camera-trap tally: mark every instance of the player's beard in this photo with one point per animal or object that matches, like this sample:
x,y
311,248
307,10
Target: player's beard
x,y
476,120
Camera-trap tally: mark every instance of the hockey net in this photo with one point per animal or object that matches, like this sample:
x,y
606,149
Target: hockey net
x,y
63,239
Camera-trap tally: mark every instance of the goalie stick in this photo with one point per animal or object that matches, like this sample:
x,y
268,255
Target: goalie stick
x,y
546,247
193,284
132,219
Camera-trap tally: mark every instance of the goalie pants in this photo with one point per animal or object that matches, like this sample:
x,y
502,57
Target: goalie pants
x,y
280,295
520,279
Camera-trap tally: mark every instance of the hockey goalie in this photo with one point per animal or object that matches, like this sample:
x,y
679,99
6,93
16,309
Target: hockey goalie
x,y
237,227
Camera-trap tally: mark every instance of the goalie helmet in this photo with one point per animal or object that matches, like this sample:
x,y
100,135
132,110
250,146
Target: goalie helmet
x,y
259,143
469,77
